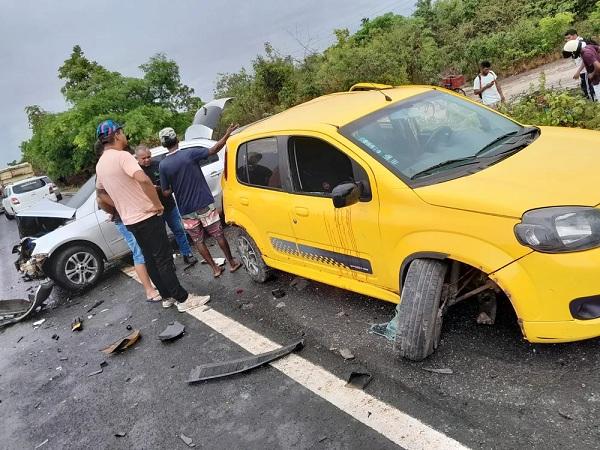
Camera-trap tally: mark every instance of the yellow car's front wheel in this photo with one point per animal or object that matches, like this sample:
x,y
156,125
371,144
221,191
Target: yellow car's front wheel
x,y
419,313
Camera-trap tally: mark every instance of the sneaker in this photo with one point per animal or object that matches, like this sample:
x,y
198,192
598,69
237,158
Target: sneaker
x,y
168,302
190,259
193,301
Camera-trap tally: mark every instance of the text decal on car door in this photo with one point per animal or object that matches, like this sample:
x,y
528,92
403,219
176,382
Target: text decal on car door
x,y
322,256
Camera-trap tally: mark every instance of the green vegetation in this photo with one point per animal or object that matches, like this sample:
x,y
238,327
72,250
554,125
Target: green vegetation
x,y
62,143
564,108
442,37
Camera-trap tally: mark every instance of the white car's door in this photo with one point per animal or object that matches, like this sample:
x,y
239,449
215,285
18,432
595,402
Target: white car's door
x,y
212,168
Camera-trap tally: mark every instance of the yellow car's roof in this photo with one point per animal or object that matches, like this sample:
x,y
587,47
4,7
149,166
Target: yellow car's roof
x,y
334,109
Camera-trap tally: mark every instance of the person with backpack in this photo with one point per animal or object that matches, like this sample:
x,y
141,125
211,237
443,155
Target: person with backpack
x,y
590,57
581,72
486,86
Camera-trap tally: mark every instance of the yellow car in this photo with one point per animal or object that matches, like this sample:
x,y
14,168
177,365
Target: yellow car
x,y
420,197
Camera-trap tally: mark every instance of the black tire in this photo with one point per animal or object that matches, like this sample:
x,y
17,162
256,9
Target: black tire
x,y
77,267
419,314
9,216
252,258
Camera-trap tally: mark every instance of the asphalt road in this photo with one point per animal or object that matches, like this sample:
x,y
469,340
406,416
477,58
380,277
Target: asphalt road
x,y
503,392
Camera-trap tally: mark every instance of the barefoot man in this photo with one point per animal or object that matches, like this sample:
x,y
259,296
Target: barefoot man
x,y
180,174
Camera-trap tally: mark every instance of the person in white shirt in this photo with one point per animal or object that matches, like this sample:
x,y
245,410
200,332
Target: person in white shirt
x,y
580,73
486,86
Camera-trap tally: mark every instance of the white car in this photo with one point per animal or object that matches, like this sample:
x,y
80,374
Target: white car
x,y
25,193
72,242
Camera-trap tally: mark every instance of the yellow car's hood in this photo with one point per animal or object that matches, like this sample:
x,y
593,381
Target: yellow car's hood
x,y
561,167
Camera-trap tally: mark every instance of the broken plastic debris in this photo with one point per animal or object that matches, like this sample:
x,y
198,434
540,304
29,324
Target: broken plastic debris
x,y
104,310
188,440
41,445
564,415
173,331
359,379
95,305
76,325
278,293
223,369
123,343
218,261
299,283
346,354
56,337
239,291
121,434
99,371
38,323
280,305
444,371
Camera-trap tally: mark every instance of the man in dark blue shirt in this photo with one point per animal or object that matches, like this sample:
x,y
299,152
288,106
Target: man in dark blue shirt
x,y
180,174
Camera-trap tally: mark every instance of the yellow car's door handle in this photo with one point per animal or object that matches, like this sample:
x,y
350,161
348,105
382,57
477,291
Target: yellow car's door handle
x,y
301,211
244,201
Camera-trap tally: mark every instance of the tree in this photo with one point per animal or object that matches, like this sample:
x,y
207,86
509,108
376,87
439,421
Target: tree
x,y
62,143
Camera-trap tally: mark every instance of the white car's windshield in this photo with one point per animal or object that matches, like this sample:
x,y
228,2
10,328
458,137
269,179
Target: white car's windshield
x,y
430,133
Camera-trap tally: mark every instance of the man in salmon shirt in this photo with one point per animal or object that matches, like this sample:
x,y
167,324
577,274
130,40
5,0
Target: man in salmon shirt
x,y
122,184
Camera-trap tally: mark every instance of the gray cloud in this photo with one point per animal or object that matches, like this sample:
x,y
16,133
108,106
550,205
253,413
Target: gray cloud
x,y
204,37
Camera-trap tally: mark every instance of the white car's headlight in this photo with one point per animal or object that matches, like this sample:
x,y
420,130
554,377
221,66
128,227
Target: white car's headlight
x,y
560,229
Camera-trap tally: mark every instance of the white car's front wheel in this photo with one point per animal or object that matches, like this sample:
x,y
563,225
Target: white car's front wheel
x,y
77,267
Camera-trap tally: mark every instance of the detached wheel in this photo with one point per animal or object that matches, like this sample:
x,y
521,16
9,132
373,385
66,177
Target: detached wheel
x,y
252,258
77,267
419,313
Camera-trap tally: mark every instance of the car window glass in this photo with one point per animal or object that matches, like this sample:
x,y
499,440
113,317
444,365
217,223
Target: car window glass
x,y
318,167
28,186
258,163
426,130
211,159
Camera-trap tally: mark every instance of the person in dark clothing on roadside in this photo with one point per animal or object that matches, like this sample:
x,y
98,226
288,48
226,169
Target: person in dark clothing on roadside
x,y
121,184
171,214
581,72
180,174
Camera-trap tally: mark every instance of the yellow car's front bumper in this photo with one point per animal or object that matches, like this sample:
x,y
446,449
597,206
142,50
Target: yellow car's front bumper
x,y
542,287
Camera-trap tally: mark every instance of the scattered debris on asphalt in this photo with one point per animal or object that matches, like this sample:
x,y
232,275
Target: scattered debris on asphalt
x,y
121,434
174,331
64,358
95,305
123,343
323,439
358,379
188,440
444,371
340,314
300,283
41,445
38,323
218,261
564,415
103,364
223,369
247,306
56,337
77,324
125,319
280,305
239,291
346,354
20,339
129,328
105,309
278,293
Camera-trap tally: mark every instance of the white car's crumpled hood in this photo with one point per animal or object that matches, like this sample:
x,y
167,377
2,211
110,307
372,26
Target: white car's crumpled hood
x,y
48,208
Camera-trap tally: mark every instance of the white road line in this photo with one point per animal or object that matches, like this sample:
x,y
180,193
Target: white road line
x,y
395,425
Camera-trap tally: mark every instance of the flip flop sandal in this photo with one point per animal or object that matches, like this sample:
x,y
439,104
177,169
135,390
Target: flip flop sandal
x,y
156,299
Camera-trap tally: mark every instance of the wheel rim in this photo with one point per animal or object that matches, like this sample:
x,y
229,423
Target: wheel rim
x,y
81,268
248,255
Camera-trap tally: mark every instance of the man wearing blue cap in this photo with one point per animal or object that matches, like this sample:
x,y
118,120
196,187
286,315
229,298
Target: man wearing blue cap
x,y
121,183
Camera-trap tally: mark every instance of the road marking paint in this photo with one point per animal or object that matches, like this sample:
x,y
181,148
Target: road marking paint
x,y
395,425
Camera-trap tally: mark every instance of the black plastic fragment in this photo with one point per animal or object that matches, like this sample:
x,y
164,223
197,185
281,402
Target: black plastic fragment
x,y
223,369
278,293
95,305
173,331
359,379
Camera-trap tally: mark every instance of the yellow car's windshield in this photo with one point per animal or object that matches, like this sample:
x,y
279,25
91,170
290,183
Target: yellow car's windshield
x,y
430,133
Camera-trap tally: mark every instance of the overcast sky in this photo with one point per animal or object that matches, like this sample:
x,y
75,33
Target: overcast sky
x,y
204,37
